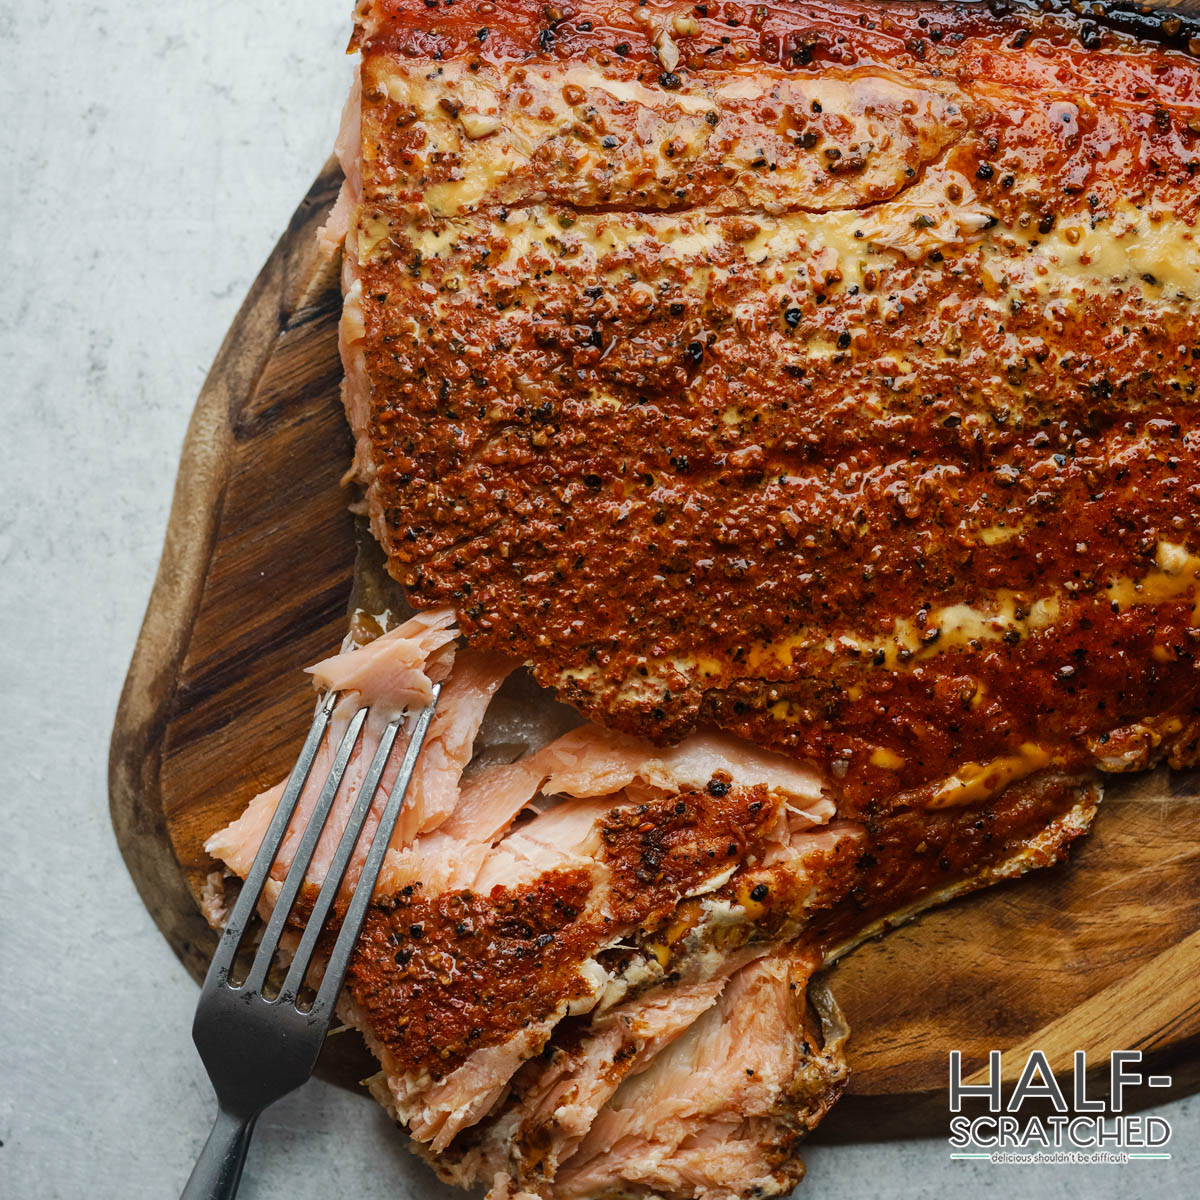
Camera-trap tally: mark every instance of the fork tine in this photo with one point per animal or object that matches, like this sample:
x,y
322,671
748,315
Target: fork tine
x,y
294,879
331,885
247,901
339,960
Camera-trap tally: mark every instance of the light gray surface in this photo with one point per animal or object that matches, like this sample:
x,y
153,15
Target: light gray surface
x,y
152,153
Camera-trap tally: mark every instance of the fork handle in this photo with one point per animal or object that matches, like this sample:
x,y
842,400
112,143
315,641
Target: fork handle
x,y
218,1170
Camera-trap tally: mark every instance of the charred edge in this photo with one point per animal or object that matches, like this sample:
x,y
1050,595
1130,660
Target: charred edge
x,y
1174,30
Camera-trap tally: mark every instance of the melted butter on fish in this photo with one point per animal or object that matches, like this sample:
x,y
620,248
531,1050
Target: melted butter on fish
x,y
1150,247
734,134
1176,575
973,783
1155,253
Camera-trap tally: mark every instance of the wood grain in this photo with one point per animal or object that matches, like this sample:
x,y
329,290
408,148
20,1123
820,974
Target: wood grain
x,y
254,581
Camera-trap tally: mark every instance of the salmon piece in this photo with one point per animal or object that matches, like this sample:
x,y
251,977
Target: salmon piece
x,y
563,913
731,381
592,762
554,1103
803,378
589,762
528,1137
397,671
722,1103
472,1091
598,896
621,1043
434,791
590,785
238,843
391,675
600,880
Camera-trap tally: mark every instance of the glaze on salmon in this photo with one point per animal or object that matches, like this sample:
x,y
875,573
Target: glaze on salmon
x,y
821,371
806,393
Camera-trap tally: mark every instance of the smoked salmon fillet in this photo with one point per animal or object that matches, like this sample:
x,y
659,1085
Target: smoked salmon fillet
x,y
805,392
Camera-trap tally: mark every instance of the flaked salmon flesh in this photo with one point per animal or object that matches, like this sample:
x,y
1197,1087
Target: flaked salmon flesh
x,y
558,940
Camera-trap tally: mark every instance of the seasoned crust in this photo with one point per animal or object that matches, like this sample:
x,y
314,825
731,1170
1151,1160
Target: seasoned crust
x,y
709,427
442,976
737,375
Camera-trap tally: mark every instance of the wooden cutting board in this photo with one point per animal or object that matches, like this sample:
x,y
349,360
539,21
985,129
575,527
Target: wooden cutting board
x,y
1101,954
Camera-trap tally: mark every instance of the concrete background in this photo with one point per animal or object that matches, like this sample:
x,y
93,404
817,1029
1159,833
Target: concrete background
x,y
151,155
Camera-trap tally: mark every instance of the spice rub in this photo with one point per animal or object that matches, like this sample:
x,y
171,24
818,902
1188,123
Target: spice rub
x,y
825,372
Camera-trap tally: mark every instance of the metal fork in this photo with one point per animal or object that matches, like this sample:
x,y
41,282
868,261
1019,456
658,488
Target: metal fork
x,y
255,1049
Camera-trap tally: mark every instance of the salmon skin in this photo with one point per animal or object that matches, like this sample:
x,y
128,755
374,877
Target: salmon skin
x,y
806,393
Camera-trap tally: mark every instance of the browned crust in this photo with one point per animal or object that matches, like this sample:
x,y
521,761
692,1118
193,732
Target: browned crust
x,y
614,470
440,977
